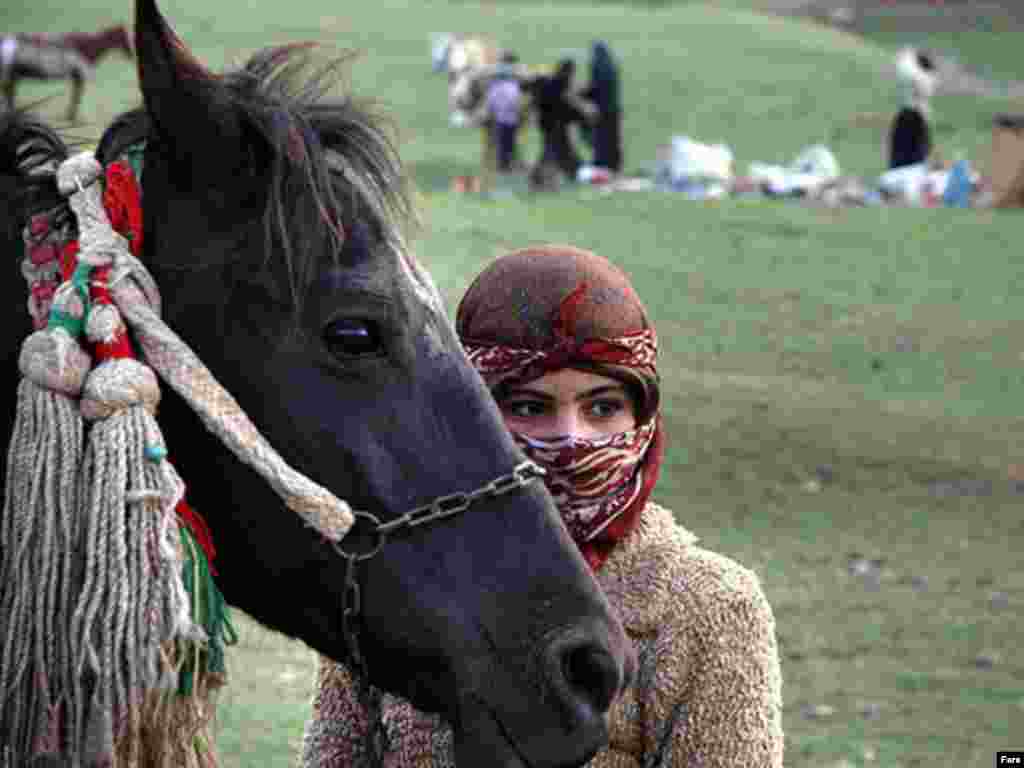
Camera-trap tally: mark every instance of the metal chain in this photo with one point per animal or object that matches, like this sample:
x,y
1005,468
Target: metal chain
x,y
447,506
375,741
442,507
439,509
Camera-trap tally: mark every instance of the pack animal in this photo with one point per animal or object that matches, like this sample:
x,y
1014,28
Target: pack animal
x,y
71,56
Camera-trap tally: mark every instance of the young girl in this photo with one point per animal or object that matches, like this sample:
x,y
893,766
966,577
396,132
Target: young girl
x,y
570,355
504,109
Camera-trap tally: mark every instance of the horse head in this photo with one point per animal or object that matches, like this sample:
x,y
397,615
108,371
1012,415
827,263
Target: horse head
x,y
273,224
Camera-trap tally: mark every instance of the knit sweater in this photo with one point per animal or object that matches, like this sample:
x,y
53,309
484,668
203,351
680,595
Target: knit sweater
x,y
708,686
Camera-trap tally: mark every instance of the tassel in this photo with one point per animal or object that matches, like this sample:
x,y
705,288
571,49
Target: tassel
x,y
137,630
107,621
209,611
40,530
133,601
114,628
136,604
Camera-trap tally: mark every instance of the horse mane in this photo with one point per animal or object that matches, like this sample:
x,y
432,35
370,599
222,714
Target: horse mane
x,y
331,153
32,145
29,154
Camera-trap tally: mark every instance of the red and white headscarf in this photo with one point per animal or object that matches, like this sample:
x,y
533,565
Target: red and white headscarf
x,y
543,309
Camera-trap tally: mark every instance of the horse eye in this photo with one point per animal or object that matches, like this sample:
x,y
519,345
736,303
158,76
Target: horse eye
x,y
349,337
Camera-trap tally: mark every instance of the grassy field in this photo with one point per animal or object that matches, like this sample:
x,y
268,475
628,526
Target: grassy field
x,y
842,388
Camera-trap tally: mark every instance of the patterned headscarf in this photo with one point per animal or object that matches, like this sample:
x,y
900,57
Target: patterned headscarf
x,y
546,308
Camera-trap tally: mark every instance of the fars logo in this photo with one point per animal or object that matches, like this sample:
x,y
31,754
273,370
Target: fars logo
x,y
1007,759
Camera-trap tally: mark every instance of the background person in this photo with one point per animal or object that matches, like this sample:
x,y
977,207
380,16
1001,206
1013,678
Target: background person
x,y
604,134
504,108
910,137
557,108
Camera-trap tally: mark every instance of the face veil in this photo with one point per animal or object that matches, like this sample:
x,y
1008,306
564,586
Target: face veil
x,y
542,309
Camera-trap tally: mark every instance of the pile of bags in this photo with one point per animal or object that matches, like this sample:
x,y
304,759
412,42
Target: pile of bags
x,y
811,170
705,171
698,170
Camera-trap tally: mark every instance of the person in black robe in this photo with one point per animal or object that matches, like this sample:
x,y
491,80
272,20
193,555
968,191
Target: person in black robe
x,y
604,90
557,109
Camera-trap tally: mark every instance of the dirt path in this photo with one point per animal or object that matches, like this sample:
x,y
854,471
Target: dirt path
x,y
919,17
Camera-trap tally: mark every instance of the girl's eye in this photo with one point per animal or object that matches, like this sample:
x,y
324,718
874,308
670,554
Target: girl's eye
x,y
606,409
523,409
349,337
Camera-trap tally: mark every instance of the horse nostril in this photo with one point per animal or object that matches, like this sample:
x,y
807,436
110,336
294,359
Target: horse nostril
x,y
592,674
584,676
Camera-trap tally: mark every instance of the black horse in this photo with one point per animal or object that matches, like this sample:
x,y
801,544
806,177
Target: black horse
x,y
272,220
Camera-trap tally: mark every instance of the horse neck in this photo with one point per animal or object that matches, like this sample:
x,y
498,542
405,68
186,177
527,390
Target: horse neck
x,y
93,45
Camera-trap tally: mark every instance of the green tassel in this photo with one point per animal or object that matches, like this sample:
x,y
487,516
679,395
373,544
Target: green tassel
x,y
60,319
134,155
209,610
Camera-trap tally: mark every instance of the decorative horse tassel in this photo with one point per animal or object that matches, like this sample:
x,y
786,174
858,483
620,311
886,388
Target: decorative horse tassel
x,y
132,618
94,536
40,531
135,604
97,617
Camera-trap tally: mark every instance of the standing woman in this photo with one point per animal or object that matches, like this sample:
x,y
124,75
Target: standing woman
x,y
569,353
605,91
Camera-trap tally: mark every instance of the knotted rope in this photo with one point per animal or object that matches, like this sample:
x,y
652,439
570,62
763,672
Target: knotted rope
x,y
92,588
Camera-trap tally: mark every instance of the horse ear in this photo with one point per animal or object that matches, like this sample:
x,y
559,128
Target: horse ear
x,y
186,103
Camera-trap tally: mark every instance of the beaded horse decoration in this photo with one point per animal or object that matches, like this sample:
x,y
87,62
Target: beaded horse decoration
x,y
115,628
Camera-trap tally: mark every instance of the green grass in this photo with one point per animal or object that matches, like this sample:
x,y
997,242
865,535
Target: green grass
x,y
884,343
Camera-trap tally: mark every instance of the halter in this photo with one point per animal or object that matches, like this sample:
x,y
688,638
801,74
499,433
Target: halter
x,y
441,508
133,293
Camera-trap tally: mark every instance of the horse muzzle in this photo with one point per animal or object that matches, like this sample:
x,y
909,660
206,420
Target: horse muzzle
x,y
579,671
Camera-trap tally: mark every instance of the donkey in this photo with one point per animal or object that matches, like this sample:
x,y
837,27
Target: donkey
x,y
71,56
274,219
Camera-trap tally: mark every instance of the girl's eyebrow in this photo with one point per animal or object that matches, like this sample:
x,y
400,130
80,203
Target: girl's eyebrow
x,y
541,395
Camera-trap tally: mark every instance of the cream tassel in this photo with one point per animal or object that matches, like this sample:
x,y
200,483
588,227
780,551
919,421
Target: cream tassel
x,y
40,532
133,604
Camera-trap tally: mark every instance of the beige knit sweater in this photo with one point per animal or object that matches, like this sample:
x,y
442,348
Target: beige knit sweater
x,y
708,688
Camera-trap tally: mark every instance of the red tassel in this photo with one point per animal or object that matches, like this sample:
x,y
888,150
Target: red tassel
x,y
123,200
68,260
200,531
99,293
